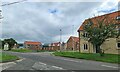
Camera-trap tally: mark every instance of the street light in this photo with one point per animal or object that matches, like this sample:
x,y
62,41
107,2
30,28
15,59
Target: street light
x,y
73,38
1,16
60,38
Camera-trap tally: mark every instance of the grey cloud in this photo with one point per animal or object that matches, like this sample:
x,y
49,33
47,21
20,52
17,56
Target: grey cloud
x,y
33,21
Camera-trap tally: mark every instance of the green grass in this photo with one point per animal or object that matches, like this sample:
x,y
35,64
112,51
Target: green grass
x,y
111,58
6,57
21,50
45,51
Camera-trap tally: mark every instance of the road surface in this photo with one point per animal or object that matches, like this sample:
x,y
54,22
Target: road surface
x,y
47,61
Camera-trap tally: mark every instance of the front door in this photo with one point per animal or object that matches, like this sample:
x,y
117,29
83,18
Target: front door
x,y
97,49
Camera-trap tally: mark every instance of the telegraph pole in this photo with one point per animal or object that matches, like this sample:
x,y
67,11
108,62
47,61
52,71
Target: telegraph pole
x,y
1,15
73,35
1,24
7,5
60,39
73,29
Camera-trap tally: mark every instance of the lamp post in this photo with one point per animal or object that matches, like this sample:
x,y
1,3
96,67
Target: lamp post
x,y
60,38
73,38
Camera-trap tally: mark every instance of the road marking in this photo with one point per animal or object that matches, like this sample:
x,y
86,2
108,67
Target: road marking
x,y
6,65
42,63
109,66
57,67
72,71
71,60
20,60
43,66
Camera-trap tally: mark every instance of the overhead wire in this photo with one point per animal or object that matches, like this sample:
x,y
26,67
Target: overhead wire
x,y
13,3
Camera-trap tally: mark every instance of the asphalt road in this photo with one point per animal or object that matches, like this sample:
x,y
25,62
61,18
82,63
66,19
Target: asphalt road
x,y
47,61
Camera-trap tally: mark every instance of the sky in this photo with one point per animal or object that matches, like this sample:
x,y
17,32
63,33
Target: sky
x,y
42,21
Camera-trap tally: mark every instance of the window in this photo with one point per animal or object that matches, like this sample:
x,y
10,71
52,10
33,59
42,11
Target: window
x,y
85,46
72,48
118,17
118,44
84,34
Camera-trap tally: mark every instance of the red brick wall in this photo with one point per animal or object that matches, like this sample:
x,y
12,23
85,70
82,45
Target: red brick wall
x,y
72,45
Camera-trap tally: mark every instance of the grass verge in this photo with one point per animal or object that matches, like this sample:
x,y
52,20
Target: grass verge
x,y
7,58
0,48
45,51
21,50
110,58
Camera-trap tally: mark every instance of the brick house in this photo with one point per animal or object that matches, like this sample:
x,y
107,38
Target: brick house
x,y
33,45
55,46
111,45
73,44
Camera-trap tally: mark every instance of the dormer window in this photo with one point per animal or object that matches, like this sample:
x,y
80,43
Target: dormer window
x,y
118,17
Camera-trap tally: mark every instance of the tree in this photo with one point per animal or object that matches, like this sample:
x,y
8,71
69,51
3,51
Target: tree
x,y
97,33
10,41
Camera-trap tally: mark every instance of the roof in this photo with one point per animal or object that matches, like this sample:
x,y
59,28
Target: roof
x,y
76,39
32,42
55,44
110,16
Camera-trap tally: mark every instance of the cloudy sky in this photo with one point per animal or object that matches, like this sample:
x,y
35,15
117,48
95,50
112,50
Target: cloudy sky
x,y
42,21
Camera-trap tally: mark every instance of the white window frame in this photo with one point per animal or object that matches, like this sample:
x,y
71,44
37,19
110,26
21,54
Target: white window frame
x,y
117,45
85,46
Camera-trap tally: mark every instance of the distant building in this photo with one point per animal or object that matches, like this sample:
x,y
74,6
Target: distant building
x,y
6,46
46,47
20,45
15,46
63,46
73,44
55,46
33,45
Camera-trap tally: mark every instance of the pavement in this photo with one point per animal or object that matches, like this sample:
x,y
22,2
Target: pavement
x,y
47,61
